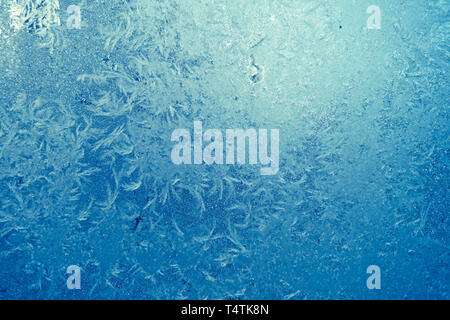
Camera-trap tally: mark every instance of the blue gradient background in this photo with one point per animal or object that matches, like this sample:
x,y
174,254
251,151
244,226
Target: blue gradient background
x,y
86,178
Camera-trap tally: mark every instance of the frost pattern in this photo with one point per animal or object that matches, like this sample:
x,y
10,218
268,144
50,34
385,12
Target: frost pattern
x,y
85,171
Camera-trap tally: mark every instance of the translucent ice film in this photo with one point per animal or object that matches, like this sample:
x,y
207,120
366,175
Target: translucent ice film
x,y
216,149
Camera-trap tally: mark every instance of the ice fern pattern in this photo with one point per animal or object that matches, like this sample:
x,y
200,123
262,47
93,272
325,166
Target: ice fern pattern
x,y
86,118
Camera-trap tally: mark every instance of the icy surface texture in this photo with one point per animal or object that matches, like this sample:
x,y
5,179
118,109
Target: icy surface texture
x,y
86,179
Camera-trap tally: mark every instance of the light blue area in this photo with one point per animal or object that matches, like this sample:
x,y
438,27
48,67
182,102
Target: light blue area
x,y
86,177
